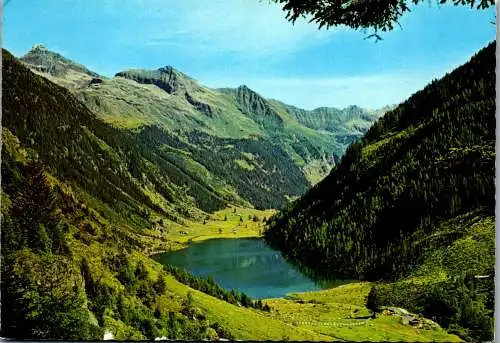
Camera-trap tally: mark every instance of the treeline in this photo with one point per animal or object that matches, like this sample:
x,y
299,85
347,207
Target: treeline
x,y
208,286
41,287
58,128
62,274
49,292
145,315
274,175
111,164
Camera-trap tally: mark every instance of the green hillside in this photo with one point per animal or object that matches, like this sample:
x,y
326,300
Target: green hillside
x,y
89,194
416,191
246,131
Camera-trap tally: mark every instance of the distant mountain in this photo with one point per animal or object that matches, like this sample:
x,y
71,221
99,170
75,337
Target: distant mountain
x,y
254,105
347,124
414,198
257,147
115,167
44,60
167,78
101,172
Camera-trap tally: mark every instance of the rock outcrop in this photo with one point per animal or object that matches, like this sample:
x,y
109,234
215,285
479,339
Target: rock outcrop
x,y
407,318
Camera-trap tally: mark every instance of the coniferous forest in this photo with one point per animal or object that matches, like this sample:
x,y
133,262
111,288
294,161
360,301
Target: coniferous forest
x,y
407,188
52,284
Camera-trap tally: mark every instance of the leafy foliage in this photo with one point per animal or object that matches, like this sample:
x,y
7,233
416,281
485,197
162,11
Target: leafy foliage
x,y
360,14
43,297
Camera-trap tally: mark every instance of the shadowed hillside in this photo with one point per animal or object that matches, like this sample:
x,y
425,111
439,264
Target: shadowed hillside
x,y
412,185
81,202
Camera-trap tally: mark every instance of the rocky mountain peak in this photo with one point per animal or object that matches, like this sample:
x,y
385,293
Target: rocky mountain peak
x,y
47,61
167,70
38,48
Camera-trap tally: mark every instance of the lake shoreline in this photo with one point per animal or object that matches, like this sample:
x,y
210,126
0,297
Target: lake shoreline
x,y
197,239
247,264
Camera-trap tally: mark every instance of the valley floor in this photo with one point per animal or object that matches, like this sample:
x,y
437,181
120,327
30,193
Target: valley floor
x,y
232,222
337,314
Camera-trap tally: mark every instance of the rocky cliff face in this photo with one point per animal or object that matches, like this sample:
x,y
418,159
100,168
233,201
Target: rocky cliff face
x,y
251,102
255,106
166,78
171,81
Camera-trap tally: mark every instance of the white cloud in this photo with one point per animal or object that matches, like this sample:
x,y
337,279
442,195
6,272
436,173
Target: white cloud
x,y
252,27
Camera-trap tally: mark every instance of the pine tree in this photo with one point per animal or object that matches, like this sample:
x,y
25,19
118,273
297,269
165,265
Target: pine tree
x,y
33,207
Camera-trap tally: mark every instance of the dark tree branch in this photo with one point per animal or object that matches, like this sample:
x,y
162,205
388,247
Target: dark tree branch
x,y
378,15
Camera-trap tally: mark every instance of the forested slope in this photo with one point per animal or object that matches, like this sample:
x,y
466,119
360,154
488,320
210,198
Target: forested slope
x,y
388,204
80,202
68,206
111,164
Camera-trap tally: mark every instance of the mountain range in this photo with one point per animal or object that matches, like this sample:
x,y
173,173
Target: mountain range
x,y
97,171
245,147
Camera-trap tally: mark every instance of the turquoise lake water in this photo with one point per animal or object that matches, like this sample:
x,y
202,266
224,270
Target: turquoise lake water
x,y
247,264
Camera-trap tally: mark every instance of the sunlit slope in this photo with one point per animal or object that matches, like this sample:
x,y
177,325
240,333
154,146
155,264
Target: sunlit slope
x,y
76,221
76,239
180,107
342,314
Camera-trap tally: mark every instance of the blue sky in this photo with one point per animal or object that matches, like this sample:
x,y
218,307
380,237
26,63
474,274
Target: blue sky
x,y
226,43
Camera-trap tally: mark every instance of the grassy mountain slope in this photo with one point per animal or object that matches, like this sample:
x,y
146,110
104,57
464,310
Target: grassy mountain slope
x,y
341,312
389,202
74,223
247,131
347,124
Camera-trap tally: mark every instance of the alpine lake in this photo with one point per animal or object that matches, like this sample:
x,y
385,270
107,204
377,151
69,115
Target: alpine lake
x,y
247,265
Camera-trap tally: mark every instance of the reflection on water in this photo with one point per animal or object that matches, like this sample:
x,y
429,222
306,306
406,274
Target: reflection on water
x,y
248,265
